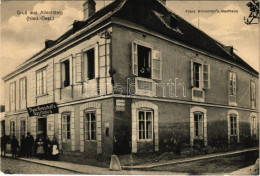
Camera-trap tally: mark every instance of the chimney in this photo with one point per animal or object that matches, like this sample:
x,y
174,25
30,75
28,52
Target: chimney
x,y
163,1
89,8
229,49
49,43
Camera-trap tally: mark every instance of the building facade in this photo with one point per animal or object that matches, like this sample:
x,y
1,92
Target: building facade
x,y
125,84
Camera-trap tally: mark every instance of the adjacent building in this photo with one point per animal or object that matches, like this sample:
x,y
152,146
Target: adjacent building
x,y
133,77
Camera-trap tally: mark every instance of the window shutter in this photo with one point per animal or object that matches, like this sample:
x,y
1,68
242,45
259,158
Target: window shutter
x,y
58,75
192,73
234,83
78,63
206,76
134,59
96,60
157,65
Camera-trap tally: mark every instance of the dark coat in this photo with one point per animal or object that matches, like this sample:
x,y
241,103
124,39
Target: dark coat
x,y
29,140
14,143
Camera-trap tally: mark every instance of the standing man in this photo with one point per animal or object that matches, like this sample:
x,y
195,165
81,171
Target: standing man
x,y
29,140
4,140
14,146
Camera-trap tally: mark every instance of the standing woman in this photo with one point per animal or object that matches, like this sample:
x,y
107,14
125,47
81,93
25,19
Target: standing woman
x,y
55,149
40,151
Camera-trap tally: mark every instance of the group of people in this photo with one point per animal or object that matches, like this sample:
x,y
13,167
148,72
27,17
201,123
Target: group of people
x,y
43,147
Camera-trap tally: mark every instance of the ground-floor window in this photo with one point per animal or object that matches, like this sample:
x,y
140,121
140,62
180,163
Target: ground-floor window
x,y
145,122
90,125
22,128
233,124
254,126
12,128
66,126
198,125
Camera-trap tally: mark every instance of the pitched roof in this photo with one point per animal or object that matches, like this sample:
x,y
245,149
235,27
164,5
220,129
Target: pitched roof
x,y
153,14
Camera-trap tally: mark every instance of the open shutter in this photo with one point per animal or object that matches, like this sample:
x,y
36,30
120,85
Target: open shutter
x,y
234,83
96,60
206,76
157,65
58,75
78,63
134,59
192,73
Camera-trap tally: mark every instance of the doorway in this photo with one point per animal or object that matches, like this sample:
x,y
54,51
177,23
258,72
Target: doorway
x,y
2,127
42,127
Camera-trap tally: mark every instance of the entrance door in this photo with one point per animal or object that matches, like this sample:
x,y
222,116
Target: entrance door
x,y
2,127
42,127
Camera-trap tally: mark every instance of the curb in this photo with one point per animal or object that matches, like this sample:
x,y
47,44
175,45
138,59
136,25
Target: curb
x,y
188,160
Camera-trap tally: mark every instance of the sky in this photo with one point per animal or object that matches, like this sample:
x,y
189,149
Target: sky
x,y
20,39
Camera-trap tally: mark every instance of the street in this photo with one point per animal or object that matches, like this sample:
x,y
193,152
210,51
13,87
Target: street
x,y
16,166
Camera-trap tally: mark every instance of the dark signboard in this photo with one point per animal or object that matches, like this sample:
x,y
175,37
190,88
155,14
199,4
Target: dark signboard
x,y
41,110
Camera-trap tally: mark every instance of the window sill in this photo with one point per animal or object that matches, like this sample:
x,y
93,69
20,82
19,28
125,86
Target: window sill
x,y
145,92
90,140
233,135
65,140
145,140
42,95
195,98
232,103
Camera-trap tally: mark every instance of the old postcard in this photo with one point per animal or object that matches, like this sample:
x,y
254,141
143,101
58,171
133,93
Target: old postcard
x,y
130,87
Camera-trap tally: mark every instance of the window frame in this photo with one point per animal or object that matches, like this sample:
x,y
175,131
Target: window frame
x,y
254,125
143,44
65,138
232,124
233,80
12,128
86,63
145,110
24,132
64,71
22,90
89,125
43,89
253,94
12,95
201,115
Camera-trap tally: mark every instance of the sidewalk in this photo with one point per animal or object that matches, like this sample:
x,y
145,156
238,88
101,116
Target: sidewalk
x,y
86,169
184,160
93,170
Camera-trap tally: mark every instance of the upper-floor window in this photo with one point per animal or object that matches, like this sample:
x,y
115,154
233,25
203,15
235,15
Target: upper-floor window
x,y
12,93
200,75
90,125
197,75
253,93
233,124
232,83
145,122
66,126
65,73
90,63
146,62
12,128
198,125
22,89
41,87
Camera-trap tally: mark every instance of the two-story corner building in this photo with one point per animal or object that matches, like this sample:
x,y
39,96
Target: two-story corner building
x,y
134,77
